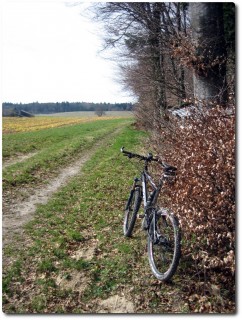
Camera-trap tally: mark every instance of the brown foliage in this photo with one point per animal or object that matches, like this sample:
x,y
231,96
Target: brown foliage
x,y
202,147
202,61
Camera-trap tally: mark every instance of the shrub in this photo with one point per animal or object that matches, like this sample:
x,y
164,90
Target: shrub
x,y
202,147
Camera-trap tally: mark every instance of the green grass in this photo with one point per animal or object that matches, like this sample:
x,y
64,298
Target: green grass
x,y
88,114
55,148
15,143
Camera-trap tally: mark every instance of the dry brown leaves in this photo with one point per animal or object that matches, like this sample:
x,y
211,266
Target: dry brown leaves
x,y
203,197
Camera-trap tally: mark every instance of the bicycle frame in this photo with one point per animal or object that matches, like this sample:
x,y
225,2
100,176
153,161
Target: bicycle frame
x,y
150,199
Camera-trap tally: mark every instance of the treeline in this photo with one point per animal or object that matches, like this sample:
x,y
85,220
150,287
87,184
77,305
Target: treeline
x,y
169,54
9,109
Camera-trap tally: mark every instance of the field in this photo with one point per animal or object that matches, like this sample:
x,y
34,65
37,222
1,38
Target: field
x,y
89,114
64,191
13,124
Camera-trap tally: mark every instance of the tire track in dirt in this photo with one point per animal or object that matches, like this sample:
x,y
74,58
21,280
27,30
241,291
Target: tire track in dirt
x,y
17,212
17,159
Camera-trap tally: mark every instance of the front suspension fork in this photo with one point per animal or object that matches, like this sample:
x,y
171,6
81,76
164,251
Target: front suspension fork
x,y
135,183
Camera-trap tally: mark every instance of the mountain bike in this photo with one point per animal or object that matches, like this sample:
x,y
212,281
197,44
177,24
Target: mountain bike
x,y
162,227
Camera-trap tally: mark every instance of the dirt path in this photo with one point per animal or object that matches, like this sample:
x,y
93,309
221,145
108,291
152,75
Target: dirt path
x,y
17,212
17,159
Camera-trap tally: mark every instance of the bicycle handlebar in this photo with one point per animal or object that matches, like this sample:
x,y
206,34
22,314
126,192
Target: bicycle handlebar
x,y
149,158
134,155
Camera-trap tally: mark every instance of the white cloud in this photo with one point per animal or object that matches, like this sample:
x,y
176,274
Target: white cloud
x,y
50,53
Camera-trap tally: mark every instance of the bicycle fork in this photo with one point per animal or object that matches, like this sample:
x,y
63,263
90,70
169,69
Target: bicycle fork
x,y
135,183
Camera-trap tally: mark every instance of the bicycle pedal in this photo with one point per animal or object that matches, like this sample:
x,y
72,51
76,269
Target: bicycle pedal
x,y
141,216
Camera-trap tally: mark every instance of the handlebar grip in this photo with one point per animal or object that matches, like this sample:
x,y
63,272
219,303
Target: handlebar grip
x,y
126,153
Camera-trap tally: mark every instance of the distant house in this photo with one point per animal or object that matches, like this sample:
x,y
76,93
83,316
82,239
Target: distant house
x,y
23,113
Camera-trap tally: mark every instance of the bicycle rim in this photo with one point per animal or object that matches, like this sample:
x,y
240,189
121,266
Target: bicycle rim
x,y
164,253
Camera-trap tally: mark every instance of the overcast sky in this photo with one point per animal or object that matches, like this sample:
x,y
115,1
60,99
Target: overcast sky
x,y
50,53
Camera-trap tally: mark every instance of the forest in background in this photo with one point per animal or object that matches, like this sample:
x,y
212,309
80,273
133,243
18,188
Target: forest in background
x,y
12,109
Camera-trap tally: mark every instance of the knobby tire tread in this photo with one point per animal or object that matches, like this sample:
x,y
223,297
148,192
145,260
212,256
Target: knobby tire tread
x,y
128,228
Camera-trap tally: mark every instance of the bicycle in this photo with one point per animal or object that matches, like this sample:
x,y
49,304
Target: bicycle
x,y
163,231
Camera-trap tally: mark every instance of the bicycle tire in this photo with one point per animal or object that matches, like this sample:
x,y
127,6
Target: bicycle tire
x,y
168,248
131,210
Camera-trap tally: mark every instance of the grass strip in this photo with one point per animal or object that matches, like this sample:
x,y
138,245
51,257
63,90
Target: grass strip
x,y
57,148
26,142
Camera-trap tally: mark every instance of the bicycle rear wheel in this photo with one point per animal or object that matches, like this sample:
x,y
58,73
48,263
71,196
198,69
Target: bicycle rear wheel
x,y
131,210
164,248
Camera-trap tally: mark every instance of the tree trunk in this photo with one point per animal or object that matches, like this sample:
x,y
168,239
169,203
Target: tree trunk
x,y
182,71
210,52
157,57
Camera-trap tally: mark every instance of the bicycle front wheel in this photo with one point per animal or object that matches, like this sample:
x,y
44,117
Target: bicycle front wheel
x,y
131,210
164,248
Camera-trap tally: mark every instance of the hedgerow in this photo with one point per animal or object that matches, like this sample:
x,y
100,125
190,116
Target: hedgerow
x,y
202,147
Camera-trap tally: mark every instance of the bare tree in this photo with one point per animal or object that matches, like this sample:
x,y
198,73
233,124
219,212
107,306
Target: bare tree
x,y
144,33
99,111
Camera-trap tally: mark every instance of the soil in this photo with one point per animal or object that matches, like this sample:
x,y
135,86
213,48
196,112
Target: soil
x,y
17,159
17,212
116,304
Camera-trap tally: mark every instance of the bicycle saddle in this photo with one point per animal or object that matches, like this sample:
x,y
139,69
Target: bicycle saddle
x,y
168,168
